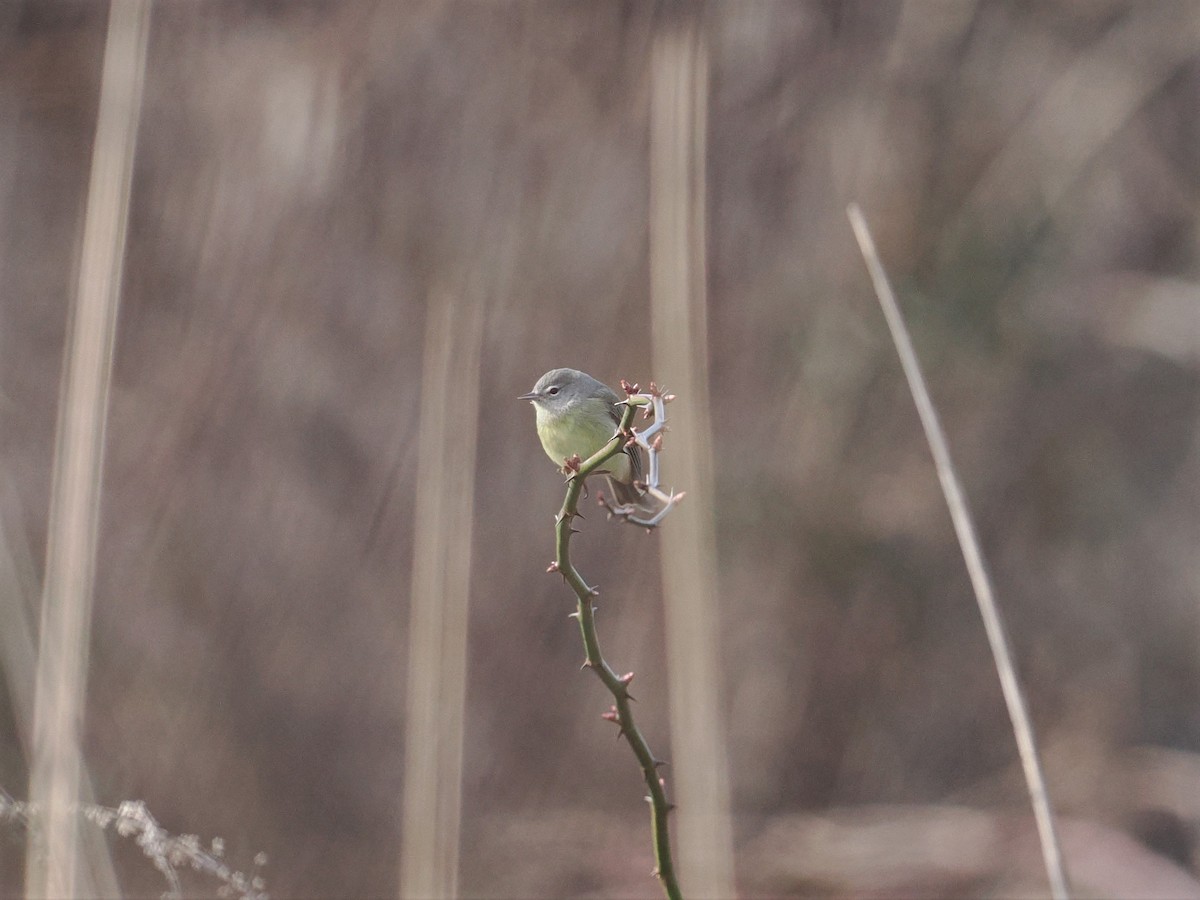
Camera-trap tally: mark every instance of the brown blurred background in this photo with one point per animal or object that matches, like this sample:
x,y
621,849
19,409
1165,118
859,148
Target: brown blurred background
x,y
312,176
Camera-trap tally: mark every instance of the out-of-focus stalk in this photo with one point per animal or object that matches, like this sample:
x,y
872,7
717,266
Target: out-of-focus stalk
x,y
437,654
678,138
19,594
53,866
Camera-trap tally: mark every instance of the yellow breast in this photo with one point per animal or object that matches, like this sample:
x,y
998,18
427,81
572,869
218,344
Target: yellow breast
x,y
583,429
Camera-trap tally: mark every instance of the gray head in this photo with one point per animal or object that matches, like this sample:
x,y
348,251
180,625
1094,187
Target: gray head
x,y
559,388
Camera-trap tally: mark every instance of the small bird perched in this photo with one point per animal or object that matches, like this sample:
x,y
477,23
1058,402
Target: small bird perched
x,y
576,416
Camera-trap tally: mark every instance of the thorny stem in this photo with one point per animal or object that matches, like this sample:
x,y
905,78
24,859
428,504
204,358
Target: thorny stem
x,y
617,685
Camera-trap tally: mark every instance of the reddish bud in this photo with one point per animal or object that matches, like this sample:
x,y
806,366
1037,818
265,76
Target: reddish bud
x,y
626,678
629,389
611,716
667,398
656,444
553,567
573,464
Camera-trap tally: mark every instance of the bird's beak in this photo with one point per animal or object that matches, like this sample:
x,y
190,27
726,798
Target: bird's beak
x,y
532,395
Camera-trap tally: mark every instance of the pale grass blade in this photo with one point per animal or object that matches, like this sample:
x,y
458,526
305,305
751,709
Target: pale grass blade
x,y
699,759
437,646
53,865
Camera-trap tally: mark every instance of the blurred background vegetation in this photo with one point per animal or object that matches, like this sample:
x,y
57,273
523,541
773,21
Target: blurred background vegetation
x,y
311,177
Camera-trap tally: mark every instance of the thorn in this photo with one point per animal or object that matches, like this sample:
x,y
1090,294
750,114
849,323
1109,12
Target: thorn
x,y
679,496
553,567
574,531
624,682
671,807
667,398
620,734
594,591
585,490
574,615
587,664
654,873
659,763
581,515
647,412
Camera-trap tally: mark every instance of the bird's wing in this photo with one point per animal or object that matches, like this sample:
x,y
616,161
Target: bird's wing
x,y
633,452
635,461
614,412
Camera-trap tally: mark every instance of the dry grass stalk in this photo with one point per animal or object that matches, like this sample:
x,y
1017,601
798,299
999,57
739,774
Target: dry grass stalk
x,y
964,528
679,331
53,868
437,655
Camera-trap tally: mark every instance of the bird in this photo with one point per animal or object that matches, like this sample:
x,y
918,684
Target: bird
x,y
576,416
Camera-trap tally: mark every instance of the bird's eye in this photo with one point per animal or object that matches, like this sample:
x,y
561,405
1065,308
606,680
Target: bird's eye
x,y
552,391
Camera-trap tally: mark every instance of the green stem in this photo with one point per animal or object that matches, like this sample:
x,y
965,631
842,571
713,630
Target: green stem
x,y
617,686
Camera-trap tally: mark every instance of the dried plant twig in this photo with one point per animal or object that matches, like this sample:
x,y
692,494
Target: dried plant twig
x,y
620,712
654,507
964,528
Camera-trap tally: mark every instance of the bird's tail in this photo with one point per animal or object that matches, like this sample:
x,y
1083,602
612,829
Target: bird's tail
x,y
624,493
